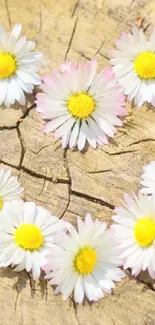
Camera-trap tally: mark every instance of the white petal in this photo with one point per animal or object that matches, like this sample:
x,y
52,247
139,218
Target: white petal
x,y
82,136
79,290
16,30
52,125
3,90
74,134
29,77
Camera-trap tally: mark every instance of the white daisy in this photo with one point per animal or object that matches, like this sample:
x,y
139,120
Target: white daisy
x,y
148,178
135,231
80,106
9,187
85,261
134,66
18,66
26,233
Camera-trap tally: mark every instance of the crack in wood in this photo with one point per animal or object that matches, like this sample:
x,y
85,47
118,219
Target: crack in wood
x,y
71,39
23,149
99,171
69,183
8,164
92,199
146,28
83,55
25,114
12,127
3,128
120,152
16,301
75,8
100,48
37,152
104,56
62,181
34,174
68,210
67,205
141,141
44,177
8,13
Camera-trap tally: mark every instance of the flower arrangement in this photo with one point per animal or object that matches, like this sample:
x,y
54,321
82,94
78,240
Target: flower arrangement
x,y
82,108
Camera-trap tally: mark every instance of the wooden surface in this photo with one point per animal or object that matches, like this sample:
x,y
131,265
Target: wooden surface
x,y
70,183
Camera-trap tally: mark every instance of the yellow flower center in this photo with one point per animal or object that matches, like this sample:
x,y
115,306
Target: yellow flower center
x,y
1,203
85,260
7,65
81,105
29,237
144,231
144,65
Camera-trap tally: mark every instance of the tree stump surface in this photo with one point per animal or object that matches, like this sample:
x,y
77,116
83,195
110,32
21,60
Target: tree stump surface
x,y
67,182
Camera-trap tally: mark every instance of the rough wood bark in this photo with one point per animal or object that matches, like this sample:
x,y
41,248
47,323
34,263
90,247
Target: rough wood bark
x,y
70,183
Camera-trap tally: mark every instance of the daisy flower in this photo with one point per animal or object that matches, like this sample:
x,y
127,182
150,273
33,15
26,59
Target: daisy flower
x,y
80,106
135,231
84,262
26,233
9,187
148,178
18,66
134,66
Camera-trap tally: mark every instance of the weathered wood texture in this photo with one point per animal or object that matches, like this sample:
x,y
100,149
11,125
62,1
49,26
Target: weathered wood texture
x,y
70,183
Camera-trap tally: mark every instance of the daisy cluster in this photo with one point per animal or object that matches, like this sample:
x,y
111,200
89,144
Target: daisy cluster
x,y
80,106
135,226
85,261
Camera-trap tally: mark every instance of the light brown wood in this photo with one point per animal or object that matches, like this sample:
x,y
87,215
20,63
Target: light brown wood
x,y
70,183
